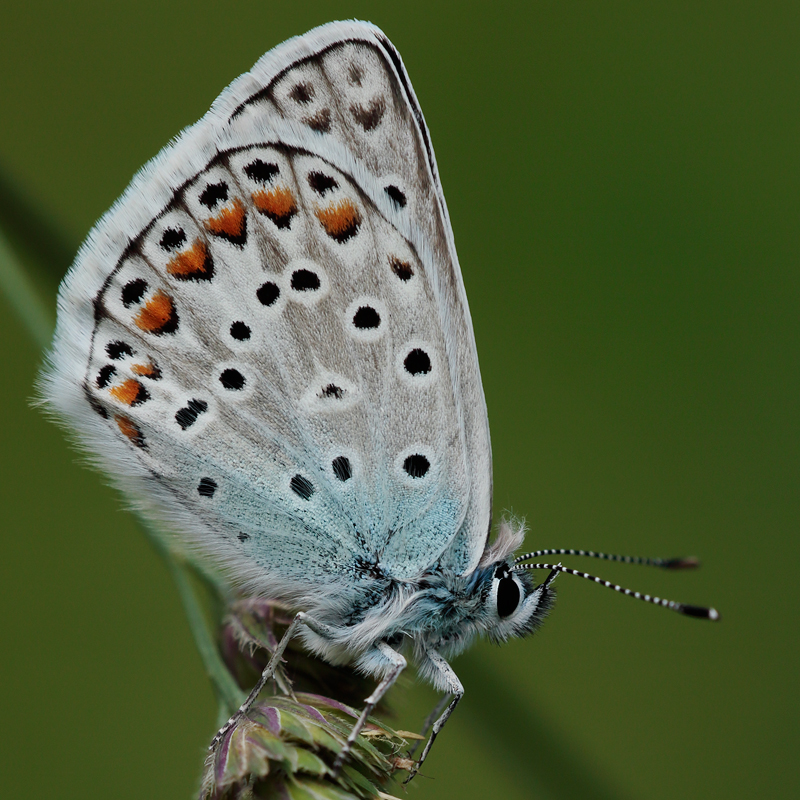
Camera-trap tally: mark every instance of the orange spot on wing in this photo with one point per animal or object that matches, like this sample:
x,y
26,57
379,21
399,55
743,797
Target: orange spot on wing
x,y
146,371
158,315
129,392
191,263
340,219
229,221
278,202
130,430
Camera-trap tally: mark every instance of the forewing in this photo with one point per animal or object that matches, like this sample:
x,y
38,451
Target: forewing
x,y
267,338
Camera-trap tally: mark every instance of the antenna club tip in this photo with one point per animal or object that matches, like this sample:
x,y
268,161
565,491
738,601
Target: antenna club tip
x,y
700,612
689,562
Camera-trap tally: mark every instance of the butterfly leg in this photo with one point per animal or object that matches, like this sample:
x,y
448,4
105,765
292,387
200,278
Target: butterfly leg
x,y
428,724
454,689
300,619
396,664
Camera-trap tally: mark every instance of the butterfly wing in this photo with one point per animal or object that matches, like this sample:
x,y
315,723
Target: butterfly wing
x,y
267,341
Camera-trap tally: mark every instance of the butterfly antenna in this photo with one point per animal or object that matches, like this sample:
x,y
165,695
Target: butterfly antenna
x,y
689,562
690,611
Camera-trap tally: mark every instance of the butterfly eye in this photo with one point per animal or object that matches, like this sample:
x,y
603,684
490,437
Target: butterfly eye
x,y
508,597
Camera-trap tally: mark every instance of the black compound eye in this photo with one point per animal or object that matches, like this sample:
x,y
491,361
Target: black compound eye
x,y
508,597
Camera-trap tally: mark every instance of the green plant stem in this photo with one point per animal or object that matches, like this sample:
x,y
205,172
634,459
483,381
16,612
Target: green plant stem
x,y
182,570
23,295
229,694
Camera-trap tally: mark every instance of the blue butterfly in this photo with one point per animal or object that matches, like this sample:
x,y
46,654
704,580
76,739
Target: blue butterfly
x,y
266,342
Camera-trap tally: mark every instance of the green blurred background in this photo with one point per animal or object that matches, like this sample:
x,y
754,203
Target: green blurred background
x,y
624,185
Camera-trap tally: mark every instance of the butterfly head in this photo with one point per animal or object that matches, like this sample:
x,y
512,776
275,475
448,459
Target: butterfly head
x,y
513,606
494,601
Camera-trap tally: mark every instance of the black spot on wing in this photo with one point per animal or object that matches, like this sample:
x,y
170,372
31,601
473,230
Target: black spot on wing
x,y
342,469
268,293
369,116
232,379
172,239
261,171
416,466
417,362
321,183
105,375
133,291
187,416
397,197
320,122
401,268
206,487
117,350
366,318
304,280
302,487
332,390
214,193
302,93
240,331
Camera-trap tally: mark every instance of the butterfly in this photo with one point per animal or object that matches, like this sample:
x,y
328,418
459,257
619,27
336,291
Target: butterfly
x,y
266,342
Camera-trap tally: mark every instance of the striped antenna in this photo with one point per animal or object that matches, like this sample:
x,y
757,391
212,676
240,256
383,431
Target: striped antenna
x,y
664,563
690,611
